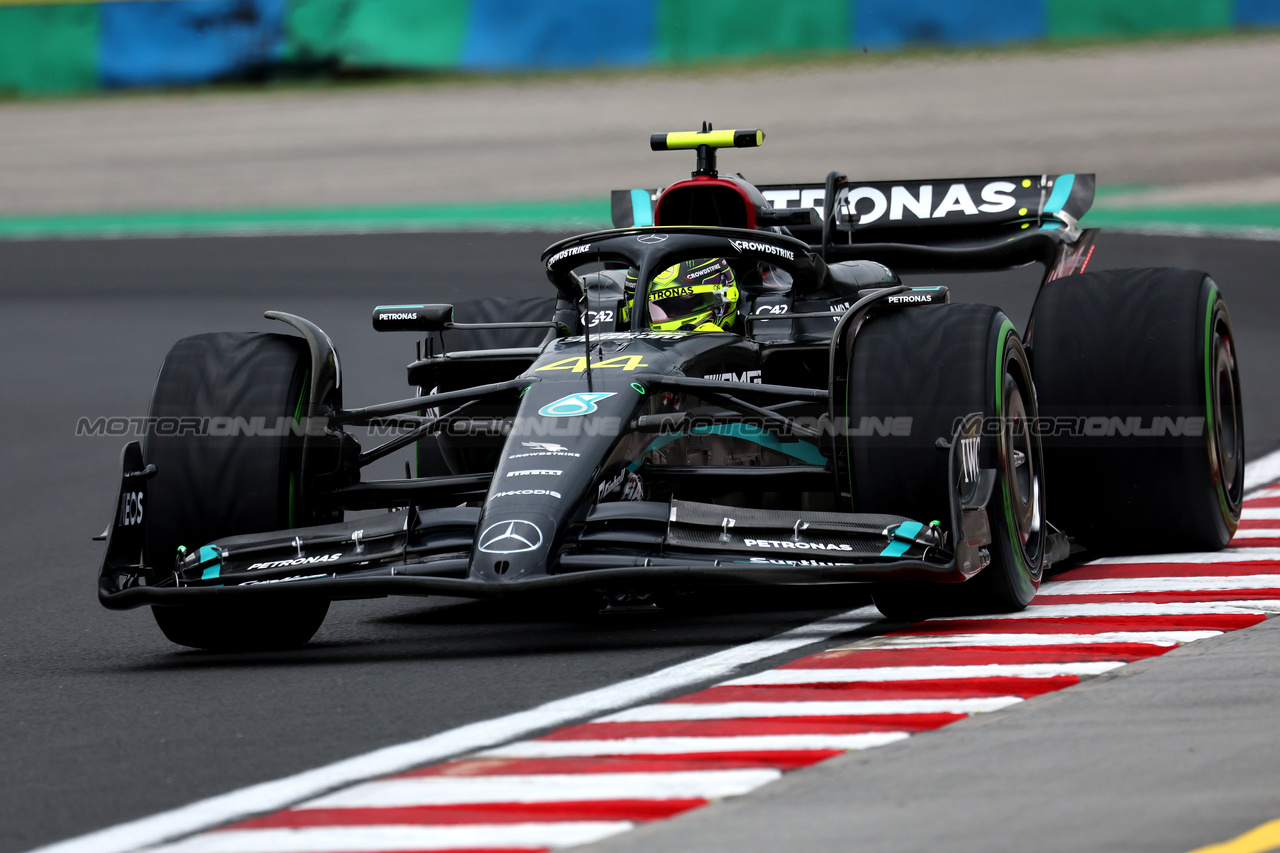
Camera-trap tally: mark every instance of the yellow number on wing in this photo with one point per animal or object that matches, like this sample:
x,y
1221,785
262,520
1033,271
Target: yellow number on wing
x,y
579,364
626,362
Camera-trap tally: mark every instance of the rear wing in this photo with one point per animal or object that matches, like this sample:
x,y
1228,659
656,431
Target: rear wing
x,y
883,207
947,224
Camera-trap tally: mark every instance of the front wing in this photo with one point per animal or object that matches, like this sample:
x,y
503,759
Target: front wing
x,y
615,545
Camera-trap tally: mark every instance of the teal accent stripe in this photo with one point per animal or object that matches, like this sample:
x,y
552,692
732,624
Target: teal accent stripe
x,y
897,547
210,572
1061,192
641,208
397,307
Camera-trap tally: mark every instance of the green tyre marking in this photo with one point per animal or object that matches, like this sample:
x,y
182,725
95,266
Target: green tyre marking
x,y
1006,329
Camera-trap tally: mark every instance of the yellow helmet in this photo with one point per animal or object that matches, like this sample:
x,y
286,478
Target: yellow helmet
x,y
700,296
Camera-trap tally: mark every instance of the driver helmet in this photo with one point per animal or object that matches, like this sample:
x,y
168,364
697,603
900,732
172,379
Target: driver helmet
x,y
699,296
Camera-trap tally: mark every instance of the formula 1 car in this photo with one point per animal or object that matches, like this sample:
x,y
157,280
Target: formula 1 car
x,y
846,427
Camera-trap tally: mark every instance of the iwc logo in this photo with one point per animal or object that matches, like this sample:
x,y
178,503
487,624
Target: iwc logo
x,y
510,537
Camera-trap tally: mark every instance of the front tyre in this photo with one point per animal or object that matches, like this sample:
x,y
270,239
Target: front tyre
x,y
934,365
231,464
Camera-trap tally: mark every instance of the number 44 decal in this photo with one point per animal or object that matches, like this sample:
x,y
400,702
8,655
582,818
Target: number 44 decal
x,y
579,364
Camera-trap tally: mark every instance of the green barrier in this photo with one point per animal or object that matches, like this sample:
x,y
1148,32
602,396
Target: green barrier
x,y
48,49
1109,19
378,33
711,29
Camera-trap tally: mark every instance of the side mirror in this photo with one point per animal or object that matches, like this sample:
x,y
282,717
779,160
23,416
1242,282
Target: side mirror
x,y
412,318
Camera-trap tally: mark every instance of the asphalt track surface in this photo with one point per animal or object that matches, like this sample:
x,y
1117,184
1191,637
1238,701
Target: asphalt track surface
x,y
101,720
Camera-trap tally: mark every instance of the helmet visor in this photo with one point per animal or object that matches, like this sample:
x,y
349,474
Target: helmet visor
x,y
681,303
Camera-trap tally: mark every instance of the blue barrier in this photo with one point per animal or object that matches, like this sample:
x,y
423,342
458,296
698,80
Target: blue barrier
x,y
1258,12
167,42
512,34
891,24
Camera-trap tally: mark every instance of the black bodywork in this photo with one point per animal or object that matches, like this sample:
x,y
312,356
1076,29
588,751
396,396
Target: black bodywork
x,y
613,457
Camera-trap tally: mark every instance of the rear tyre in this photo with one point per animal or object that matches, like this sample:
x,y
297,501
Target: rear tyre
x,y
209,486
935,364
1139,368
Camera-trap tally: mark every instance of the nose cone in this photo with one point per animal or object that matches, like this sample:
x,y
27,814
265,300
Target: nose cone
x,y
512,545
563,431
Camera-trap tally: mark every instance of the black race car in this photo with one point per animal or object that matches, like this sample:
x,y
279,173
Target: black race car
x,y
845,428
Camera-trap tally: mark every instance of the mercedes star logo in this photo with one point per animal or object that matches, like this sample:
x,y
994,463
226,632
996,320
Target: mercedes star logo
x,y
652,238
510,537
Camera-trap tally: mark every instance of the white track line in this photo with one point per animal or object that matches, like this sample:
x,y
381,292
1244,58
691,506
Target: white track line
x,y
1188,584
1123,608
924,673
545,788
1258,533
1049,610
372,839
1261,472
278,794
943,641
1269,492
692,745
1228,555
1262,513
669,711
